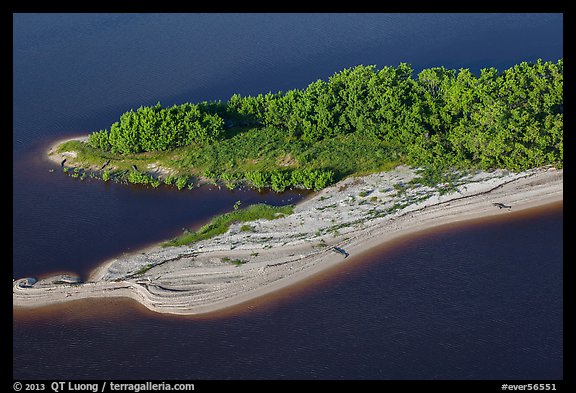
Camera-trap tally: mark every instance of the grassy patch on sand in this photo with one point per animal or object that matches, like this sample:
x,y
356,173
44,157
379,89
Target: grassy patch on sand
x,y
220,224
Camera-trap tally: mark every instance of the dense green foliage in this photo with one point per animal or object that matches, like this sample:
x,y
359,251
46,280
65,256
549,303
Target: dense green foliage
x,y
220,224
360,120
136,177
156,128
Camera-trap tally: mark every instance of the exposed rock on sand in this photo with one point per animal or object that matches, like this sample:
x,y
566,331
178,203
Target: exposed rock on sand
x,y
347,218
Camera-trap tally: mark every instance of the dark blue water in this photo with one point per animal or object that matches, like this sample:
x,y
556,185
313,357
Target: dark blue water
x,y
482,301
76,73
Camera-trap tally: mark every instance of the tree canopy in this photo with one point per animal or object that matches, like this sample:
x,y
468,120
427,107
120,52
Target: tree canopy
x,y
313,136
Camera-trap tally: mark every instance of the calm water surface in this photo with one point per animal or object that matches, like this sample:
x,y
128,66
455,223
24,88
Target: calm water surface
x,y
479,301
460,306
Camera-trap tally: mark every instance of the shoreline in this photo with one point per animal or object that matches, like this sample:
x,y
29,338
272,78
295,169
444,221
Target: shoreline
x,y
355,216
57,157
96,308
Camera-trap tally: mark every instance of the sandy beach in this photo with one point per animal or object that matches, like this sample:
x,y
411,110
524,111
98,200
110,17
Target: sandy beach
x,y
331,227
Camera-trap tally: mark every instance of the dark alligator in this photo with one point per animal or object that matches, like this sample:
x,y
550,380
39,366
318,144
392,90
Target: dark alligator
x,y
341,251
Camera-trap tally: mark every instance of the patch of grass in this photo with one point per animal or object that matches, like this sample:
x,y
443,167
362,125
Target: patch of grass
x,y
143,269
245,228
401,188
220,224
88,157
236,261
85,154
443,178
326,207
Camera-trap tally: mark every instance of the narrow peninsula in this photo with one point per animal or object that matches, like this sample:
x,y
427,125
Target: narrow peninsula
x,y
385,153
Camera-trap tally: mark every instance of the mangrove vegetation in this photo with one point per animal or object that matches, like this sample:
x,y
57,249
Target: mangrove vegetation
x,y
360,120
